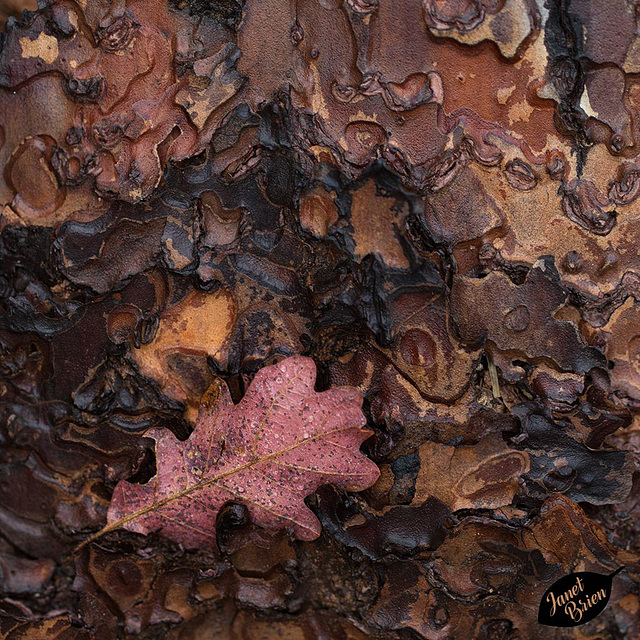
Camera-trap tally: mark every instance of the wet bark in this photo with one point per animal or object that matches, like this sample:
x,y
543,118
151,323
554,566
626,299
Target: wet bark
x,y
435,200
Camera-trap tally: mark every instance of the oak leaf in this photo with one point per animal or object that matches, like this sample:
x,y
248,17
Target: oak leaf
x,y
278,445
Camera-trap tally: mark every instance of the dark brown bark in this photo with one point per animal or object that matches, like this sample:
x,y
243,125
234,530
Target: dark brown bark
x,y
436,200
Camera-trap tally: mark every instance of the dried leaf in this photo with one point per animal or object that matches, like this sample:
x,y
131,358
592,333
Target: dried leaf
x,y
280,443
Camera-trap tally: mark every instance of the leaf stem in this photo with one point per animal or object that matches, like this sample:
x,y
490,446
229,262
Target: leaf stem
x,y
616,572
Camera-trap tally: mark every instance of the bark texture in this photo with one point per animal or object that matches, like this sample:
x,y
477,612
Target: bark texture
x,y
435,200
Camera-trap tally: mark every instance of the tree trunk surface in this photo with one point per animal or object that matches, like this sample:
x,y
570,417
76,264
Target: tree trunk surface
x,y
433,204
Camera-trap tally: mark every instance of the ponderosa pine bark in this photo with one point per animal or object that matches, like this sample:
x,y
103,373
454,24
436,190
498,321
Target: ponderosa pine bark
x,y
433,203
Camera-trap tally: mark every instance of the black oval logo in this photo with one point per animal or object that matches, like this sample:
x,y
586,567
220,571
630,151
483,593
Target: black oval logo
x,y
576,598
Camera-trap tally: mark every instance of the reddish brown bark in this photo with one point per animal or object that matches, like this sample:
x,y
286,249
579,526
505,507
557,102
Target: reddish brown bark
x,y
434,200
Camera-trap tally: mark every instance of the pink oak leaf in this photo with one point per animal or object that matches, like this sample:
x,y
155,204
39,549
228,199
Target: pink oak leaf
x,y
278,445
